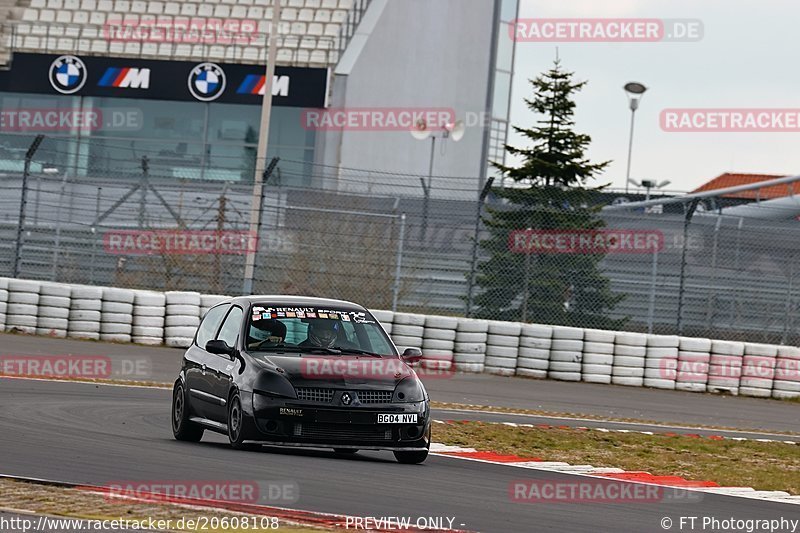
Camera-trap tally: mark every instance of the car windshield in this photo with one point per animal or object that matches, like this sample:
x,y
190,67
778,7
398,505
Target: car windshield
x,y
295,330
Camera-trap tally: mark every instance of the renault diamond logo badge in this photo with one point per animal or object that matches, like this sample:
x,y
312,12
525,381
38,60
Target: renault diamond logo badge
x,y
346,398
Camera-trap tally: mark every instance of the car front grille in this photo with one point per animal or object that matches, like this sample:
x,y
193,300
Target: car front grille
x,y
315,395
320,395
374,396
337,432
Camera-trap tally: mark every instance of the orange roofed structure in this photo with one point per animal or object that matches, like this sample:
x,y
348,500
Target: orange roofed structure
x,y
767,193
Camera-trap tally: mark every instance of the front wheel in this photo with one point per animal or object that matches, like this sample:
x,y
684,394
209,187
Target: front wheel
x,y
239,425
182,427
411,457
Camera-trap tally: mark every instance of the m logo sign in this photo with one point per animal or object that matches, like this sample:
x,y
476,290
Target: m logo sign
x,y
126,78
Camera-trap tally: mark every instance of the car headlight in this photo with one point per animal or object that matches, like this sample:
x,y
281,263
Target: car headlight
x,y
273,384
409,390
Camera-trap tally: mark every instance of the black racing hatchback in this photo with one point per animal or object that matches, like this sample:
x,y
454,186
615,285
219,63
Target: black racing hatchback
x,y
298,371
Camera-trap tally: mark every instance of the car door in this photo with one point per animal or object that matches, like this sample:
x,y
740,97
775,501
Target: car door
x,y
220,367
196,361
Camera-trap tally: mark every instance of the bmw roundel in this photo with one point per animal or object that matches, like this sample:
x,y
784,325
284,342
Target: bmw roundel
x,y
207,81
68,74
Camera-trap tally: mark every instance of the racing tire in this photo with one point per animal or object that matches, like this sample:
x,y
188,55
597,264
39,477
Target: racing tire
x,y
240,426
182,428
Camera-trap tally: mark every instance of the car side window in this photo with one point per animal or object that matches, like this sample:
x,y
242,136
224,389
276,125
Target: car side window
x,y
210,324
231,327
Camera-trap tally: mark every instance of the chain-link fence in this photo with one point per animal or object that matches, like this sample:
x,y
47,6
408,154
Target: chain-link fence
x,y
375,238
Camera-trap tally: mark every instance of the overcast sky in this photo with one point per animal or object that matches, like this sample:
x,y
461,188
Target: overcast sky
x,y
747,58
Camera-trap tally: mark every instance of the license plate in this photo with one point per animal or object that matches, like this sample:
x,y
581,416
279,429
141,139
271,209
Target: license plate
x,y
384,418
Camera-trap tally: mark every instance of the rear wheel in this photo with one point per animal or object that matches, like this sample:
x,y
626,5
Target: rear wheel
x,y
182,427
411,457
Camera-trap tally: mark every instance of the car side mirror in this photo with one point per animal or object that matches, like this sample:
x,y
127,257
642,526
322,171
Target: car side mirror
x,y
219,347
412,355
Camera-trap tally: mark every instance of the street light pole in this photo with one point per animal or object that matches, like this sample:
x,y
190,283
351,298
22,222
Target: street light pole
x,y
261,154
634,90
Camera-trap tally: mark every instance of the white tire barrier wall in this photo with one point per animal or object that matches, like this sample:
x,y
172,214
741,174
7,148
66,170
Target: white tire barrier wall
x,y
84,312
469,351
630,351
661,361
116,315
182,318
787,373
468,345
566,354
23,306
725,366
502,348
438,342
407,330
207,301
597,360
535,342
53,314
758,370
149,310
385,318
3,302
694,356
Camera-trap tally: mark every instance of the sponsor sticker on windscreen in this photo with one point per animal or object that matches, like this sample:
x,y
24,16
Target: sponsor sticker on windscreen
x,y
391,418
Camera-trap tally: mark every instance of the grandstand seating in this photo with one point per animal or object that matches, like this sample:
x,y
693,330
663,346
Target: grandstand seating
x,y
310,32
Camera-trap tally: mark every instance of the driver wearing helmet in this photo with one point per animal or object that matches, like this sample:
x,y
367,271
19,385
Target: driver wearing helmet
x,y
324,333
266,332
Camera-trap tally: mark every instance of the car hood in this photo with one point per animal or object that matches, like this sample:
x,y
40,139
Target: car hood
x,y
337,371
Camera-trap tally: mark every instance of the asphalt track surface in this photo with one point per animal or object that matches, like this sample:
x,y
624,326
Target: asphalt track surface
x,y
100,434
662,406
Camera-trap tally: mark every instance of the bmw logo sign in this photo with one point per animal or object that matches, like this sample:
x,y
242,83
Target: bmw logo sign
x,y
207,82
346,398
67,74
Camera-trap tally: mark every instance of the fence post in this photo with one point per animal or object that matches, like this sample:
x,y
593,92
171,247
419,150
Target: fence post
x,y
143,190
94,235
252,248
651,308
399,263
57,242
474,262
22,203
682,289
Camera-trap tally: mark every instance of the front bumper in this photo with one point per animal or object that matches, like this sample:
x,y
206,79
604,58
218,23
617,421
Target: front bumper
x,y
295,423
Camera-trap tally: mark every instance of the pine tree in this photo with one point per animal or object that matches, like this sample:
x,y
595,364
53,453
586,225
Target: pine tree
x,y
551,192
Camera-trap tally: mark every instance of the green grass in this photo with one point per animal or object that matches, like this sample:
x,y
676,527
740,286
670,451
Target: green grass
x,y
761,465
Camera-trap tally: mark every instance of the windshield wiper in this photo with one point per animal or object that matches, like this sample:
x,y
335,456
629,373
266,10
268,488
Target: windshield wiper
x,y
357,351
